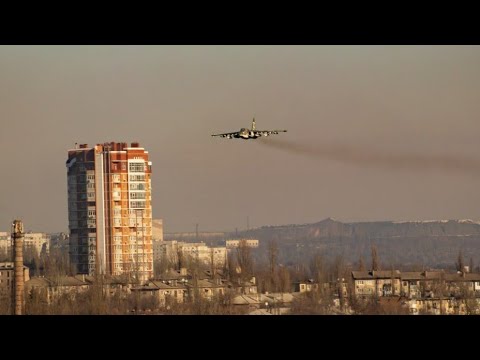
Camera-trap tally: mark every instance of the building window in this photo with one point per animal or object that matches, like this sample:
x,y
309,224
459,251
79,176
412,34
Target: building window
x,y
137,204
137,195
137,186
136,167
137,177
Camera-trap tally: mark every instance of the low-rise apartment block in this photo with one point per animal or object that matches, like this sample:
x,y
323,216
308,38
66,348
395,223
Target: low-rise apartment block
x,y
7,275
235,243
176,252
415,285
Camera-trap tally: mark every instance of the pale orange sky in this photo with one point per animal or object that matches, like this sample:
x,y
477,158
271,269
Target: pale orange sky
x,y
424,99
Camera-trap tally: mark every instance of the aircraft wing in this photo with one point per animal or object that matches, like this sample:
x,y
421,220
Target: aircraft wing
x,y
268,132
228,135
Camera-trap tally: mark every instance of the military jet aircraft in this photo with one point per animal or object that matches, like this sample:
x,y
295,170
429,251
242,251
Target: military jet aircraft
x,y
249,133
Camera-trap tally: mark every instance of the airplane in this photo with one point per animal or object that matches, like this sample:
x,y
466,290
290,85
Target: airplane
x,y
249,134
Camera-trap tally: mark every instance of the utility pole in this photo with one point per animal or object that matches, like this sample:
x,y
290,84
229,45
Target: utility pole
x,y
248,224
17,238
196,232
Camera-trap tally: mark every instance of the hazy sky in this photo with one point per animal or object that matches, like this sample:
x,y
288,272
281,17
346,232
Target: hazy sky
x,y
407,99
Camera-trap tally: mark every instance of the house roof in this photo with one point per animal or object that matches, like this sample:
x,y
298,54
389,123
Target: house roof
x,y
462,277
203,283
149,287
37,282
412,275
66,281
307,281
173,275
380,274
422,275
162,285
87,278
50,281
158,285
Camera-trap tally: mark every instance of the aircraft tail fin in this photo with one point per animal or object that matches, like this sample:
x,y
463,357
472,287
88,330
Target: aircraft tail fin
x,y
253,124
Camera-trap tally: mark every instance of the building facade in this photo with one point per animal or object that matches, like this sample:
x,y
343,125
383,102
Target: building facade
x,y
377,283
5,245
38,241
109,209
157,229
231,244
175,252
416,284
7,275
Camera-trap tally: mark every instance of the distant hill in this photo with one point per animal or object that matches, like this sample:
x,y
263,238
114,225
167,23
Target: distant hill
x,y
430,243
333,228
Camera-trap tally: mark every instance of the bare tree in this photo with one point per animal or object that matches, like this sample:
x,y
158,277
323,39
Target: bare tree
x,y
244,260
272,253
272,256
459,264
161,265
284,283
180,258
392,279
212,263
318,268
361,264
231,266
375,261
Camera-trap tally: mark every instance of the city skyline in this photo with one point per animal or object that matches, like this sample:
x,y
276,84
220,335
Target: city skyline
x,y
421,99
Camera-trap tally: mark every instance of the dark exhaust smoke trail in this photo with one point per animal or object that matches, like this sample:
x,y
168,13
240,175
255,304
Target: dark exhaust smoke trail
x,y
380,159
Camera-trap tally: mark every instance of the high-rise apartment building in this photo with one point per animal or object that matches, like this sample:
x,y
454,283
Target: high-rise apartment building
x,y
109,210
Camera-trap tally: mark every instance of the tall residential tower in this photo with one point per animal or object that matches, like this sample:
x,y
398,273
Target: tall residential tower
x,y
109,210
